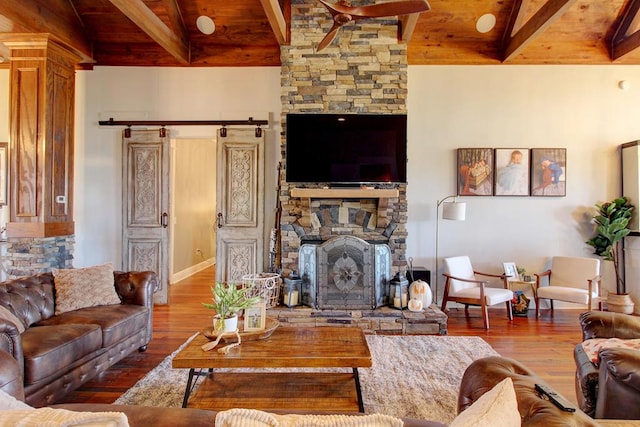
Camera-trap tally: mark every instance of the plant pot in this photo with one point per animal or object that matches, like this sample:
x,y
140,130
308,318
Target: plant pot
x,y
224,325
620,303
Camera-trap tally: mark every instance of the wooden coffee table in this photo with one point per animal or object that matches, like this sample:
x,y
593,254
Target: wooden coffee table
x,y
287,347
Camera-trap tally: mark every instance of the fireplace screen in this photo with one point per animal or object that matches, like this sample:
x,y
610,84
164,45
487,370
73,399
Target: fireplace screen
x,y
345,272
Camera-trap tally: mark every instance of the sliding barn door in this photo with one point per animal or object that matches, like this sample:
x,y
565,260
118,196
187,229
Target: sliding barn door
x,y
240,204
145,204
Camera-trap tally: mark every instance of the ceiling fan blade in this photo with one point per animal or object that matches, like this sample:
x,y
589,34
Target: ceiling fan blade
x,y
402,7
328,38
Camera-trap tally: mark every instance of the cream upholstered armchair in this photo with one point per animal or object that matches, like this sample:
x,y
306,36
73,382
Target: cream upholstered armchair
x,y
462,286
570,279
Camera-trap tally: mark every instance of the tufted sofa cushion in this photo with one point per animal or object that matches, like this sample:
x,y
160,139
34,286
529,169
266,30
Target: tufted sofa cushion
x,y
116,321
30,298
48,350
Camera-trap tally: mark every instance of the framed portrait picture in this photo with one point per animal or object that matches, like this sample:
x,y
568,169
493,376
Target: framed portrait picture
x,y
475,171
511,270
4,172
549,172
511,172
255,317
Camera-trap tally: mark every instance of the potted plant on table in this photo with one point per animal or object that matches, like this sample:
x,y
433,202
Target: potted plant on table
x,y
228,300
612,220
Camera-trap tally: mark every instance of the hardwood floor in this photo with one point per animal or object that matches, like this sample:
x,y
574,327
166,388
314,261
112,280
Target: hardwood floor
x,y
544,345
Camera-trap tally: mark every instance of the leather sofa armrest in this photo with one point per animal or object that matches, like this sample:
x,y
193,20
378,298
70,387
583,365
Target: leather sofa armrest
x,y
607,324
136,287
11,376
619,384
586,381
10,341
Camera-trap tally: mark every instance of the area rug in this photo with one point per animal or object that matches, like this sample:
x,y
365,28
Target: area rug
x,y
415,376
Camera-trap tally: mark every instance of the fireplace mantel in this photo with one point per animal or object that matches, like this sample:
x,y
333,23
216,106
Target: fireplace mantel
x,y
345,193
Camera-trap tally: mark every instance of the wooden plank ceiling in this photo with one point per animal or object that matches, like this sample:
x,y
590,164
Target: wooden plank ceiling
x,y
250,32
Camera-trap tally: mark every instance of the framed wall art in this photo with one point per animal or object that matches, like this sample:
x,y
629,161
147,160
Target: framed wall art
x,y
511,172
4,172
475,171
549,172
255,317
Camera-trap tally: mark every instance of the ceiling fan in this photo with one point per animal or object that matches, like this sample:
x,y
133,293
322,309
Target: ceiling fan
x,y
343,13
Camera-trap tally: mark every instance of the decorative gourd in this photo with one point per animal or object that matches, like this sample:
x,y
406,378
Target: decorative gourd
x,y
415,304
419,289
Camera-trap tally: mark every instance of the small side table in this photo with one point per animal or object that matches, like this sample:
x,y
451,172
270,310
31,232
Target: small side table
x,y
521,285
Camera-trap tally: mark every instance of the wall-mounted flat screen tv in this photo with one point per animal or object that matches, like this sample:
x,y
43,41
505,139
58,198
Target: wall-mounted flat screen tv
x,y
346,148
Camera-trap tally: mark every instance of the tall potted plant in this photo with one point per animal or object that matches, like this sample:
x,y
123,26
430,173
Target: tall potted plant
x,y
228,300
612,226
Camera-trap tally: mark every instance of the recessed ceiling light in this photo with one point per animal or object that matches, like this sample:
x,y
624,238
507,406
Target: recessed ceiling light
x,y
205,24
486,23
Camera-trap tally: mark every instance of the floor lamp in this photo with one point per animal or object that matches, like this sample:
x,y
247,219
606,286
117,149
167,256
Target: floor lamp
x,y
452,211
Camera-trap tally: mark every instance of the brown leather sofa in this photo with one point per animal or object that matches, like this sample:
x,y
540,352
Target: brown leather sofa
x,y
479,378
483,374
611,390
58,353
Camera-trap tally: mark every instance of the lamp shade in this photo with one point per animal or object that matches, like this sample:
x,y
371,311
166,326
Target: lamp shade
x,y
454,211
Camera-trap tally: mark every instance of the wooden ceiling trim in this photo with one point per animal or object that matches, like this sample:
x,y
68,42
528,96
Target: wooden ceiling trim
x,y
153,26
176,20
543,18
407,26
276,20
53,17
627,35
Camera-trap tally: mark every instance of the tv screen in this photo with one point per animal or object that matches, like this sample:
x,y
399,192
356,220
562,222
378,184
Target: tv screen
x,y
346,148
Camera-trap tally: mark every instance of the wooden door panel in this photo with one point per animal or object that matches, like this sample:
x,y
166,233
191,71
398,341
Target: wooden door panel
x,y
145,237
240,256
240,205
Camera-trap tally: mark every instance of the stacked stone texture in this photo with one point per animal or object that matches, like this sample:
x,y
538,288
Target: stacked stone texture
x,y
364,70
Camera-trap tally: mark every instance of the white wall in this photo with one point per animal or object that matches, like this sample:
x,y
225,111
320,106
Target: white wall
x,y
577,107
130,93
580,108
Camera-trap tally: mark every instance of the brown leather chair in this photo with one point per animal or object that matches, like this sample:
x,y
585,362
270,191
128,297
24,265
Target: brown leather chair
x,y
611,389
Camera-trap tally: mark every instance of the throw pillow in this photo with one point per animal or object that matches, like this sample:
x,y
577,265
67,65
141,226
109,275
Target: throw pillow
x,y
496,408
6,314
84,287
62,418
8,402
255,418
593,346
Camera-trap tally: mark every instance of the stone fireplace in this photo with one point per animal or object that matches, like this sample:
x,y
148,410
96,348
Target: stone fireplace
x,y
345,273
363,71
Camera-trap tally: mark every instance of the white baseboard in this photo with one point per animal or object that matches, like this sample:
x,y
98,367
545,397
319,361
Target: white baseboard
x,y
181,275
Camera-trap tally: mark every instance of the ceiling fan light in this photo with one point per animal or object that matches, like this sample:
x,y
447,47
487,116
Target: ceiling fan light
x,y
485,23
205,24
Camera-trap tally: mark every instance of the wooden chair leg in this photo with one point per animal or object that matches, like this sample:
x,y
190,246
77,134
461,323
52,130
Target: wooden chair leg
x,y
537,307
485,315
509,311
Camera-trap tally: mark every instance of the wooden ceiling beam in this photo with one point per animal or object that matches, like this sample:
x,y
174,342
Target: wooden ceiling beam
x,y
627,35
407,26
276,20
56,18
540,21
147,21
176,19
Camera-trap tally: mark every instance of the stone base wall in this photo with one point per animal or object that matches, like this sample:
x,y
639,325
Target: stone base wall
x,y
383,320
25,256
364,70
